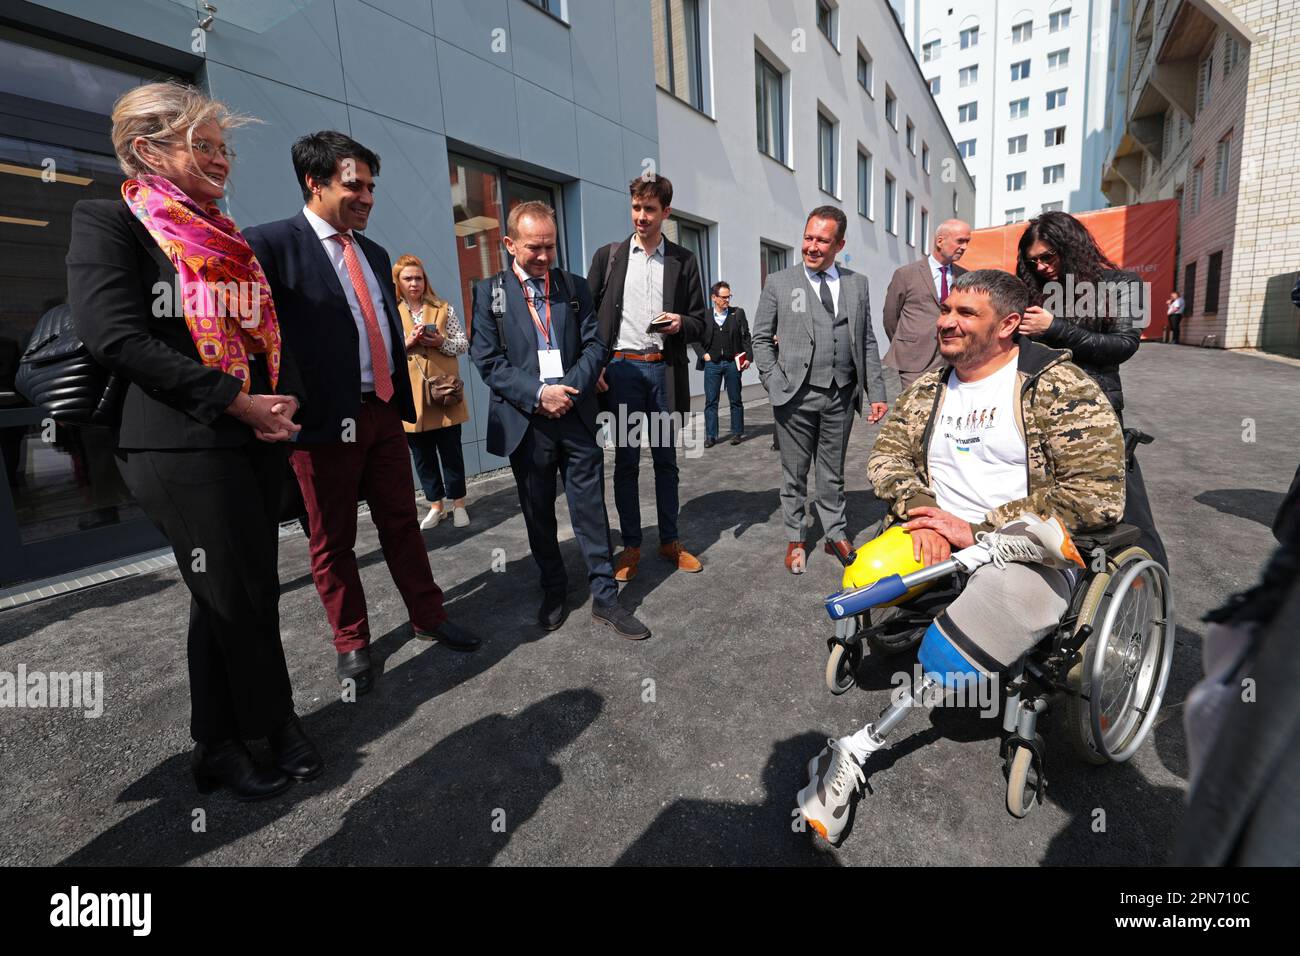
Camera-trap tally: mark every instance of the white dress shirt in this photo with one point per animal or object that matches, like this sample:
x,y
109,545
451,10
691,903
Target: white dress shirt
x,y
334,250
832,280
936,277
643,299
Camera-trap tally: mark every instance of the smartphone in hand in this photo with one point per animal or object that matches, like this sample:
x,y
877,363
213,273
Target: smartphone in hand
x,y
659,323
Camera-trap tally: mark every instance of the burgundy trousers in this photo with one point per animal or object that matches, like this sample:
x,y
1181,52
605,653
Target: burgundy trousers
x,y
333,476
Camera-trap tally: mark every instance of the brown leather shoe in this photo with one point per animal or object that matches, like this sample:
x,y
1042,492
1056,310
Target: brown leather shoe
x,y
625,564
685,561
796,557
843,546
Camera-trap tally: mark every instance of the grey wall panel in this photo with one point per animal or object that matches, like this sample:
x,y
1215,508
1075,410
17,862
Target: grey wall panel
x,y
478,101
636,69
606,217
295,42
548,131
158,21
472,25
541,48
388,67
636,150
600,150
262,185
594,50
418,13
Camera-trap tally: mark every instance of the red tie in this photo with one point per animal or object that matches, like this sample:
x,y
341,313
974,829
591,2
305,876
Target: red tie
x,y
943,283
378,354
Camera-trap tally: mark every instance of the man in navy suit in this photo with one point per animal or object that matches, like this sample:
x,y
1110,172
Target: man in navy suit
x,y
339,320
536,343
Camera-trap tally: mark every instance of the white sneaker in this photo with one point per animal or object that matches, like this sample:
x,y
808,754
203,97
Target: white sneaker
x,y
459,517
432,518
826,801
1032,540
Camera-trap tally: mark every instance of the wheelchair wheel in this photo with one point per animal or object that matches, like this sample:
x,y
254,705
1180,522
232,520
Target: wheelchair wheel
x,y
1022,782
894,630
1118,681
842,667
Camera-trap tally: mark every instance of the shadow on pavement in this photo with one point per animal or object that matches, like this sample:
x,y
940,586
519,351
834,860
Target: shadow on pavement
x,y
1254,504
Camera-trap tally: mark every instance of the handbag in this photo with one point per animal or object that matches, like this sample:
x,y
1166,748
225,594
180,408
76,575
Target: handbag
x,y
443,389
58,374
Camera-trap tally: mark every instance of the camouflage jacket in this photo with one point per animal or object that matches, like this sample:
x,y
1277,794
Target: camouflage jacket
x,y
1073,442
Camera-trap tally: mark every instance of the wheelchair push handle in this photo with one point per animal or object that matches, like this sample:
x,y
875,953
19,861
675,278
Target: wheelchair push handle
x,y
856,600
1132,438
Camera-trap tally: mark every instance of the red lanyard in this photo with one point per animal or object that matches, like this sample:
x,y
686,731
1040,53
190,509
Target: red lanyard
x,y
532,309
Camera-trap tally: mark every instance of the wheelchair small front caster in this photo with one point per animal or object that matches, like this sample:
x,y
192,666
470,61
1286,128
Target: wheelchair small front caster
x,y
1023,764
845,656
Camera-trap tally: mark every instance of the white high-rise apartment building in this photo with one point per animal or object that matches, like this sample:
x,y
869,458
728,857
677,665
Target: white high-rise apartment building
x,y
1022,86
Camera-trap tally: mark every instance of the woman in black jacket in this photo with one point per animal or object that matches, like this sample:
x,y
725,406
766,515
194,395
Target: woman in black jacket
x,y
1097,307
204,420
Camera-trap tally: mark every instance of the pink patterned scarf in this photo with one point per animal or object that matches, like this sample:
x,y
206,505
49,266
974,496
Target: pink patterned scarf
x,y
224,293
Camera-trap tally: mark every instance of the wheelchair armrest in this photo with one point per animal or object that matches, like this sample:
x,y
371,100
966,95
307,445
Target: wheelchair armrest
x,y
1112,539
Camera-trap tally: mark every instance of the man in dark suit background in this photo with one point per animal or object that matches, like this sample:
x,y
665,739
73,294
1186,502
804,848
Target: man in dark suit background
x,y
912,303
339,320
725,340
641,280
535,342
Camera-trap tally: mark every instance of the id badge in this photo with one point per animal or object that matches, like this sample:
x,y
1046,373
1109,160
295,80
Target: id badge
x,y
550,364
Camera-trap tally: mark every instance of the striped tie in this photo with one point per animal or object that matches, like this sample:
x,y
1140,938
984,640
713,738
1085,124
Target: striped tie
x,y
374,338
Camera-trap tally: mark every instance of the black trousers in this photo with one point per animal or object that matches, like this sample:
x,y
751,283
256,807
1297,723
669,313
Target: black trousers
x,y
565,447
447,480
1137,512
219,509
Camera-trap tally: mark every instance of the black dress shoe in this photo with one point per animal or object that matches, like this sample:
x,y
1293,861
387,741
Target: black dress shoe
x,y
710,442
355,665
455,637
553,611
294,753
621,620
227,763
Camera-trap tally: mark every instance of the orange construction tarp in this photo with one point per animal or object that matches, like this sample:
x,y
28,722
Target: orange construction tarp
x,y
1139,238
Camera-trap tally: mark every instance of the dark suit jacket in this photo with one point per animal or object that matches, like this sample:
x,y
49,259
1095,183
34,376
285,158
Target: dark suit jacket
x,y
911,315
727,341
683,294
173,400
505,355
317,327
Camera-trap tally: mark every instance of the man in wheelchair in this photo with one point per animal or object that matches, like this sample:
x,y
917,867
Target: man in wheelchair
x,y
1007,427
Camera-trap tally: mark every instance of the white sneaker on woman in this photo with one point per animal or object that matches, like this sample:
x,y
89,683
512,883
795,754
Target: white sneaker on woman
x,y
459,516
431,520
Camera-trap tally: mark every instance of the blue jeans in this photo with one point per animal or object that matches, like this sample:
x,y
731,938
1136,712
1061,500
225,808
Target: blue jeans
x,y
642,387
429,446
714,373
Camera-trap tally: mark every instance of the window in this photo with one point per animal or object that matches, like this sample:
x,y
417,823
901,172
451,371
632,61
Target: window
x,y
1167,134
1198,174
1212,273
1222,156
891,108
891,200
1058,21
1055,98
968,75
1204,81
967,112
1015,182
1020,108
1017,144
771,258
1054,136
1022,32
925,229
1231,54
675,28
969,37
864,184
934,85
911,138
1053,206
967,148
695,237
1053,174
826,172
1020,71
1058,59
771,109
826,20
909,217
925,157
930,51
1189,288
1015,215
865,71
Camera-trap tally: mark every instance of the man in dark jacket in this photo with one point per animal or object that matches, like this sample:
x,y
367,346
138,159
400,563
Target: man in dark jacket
x,y
723,354
650,303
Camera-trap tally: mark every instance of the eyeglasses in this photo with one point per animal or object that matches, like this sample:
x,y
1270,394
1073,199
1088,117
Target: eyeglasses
x,y
207,149
725,298
1042,259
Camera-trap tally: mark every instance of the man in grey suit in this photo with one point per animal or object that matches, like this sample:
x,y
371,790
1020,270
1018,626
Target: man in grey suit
x,y
828,360
912,303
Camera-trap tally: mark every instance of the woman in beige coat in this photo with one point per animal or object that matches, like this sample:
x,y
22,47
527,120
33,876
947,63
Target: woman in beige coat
x,y
434,337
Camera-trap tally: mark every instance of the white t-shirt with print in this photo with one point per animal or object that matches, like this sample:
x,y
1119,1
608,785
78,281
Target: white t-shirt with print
x,y
977,457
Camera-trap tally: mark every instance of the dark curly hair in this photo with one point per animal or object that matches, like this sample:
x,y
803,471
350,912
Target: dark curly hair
x,y
1078,252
